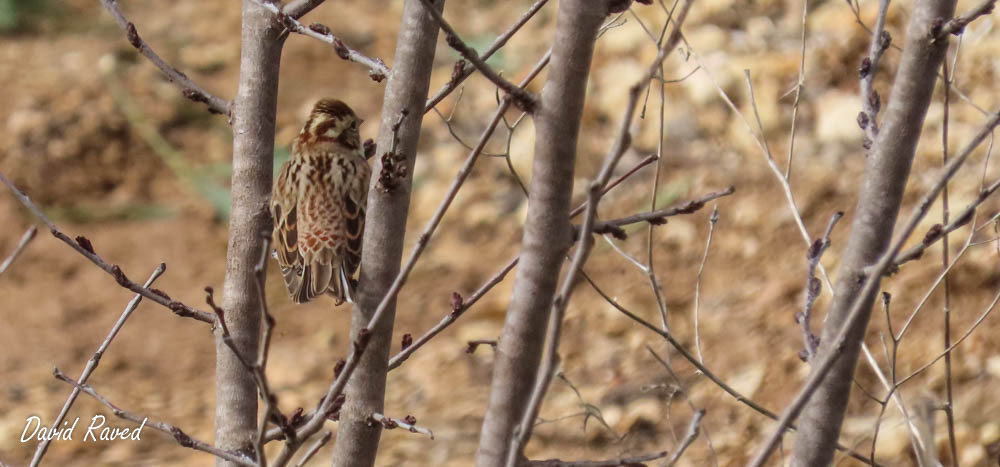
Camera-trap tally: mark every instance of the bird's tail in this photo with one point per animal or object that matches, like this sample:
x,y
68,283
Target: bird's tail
x,y
342,286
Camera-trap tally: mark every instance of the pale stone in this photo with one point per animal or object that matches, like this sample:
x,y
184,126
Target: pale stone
x,y
642,410
837,120
989,433
893,438
748,380
993,366
972,455
522,149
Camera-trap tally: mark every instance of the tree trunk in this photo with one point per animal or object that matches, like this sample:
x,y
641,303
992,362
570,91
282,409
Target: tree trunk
x,y
871,231
253,150
357,440
547,234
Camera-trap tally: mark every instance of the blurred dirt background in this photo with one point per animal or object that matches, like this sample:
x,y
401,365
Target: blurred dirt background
x,y
95,135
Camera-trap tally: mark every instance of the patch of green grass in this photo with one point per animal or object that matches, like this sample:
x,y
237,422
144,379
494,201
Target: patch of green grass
x,y
18,16
86,213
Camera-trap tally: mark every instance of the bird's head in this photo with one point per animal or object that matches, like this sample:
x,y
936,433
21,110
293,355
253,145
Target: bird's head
x,y
332,120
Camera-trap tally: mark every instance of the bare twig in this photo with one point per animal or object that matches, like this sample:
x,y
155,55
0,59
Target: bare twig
x,y
957,25
28,236
189,88
314,449
872,281
435,220
813,288
459,306
871,102
613,226
890,386
798,92
464,304
522,98
650,269
271,410
377,69
371,330
561,300
692,433
182,438
464,70
409,423
553,333
298,8
945,208
707,372
257,367
84,247
938,232
424,238
92,365
696,412
712,220
624,461
989,309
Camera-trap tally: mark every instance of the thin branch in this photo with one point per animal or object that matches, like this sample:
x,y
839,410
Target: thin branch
x,y
409,423
299,8
271,410
937,281
687,398
613,226
28,236
545,372
813,288
965,98
43,446
871,102
937,232
624,461
314,449
463,174
982,316
712,220
957,25
182,438
463,70
560,302
377,69
522,98
870,285
705,370
189,88
84,247
460,305
945,212
692,433
371,328
799,84
654,283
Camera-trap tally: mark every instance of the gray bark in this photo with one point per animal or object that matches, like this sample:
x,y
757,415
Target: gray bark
x,y
547,234
407,88
253,150
871,231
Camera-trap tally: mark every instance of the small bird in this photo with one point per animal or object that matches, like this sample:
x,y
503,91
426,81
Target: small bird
x,y
318,204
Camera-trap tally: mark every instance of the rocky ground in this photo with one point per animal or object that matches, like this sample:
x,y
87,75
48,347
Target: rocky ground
x,y
114,152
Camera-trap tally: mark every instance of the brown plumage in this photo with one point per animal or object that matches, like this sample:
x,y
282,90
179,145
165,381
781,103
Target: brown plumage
x,y
318,204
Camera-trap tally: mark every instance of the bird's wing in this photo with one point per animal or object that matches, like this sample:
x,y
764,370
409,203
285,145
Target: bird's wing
x,y
355,206
284,212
